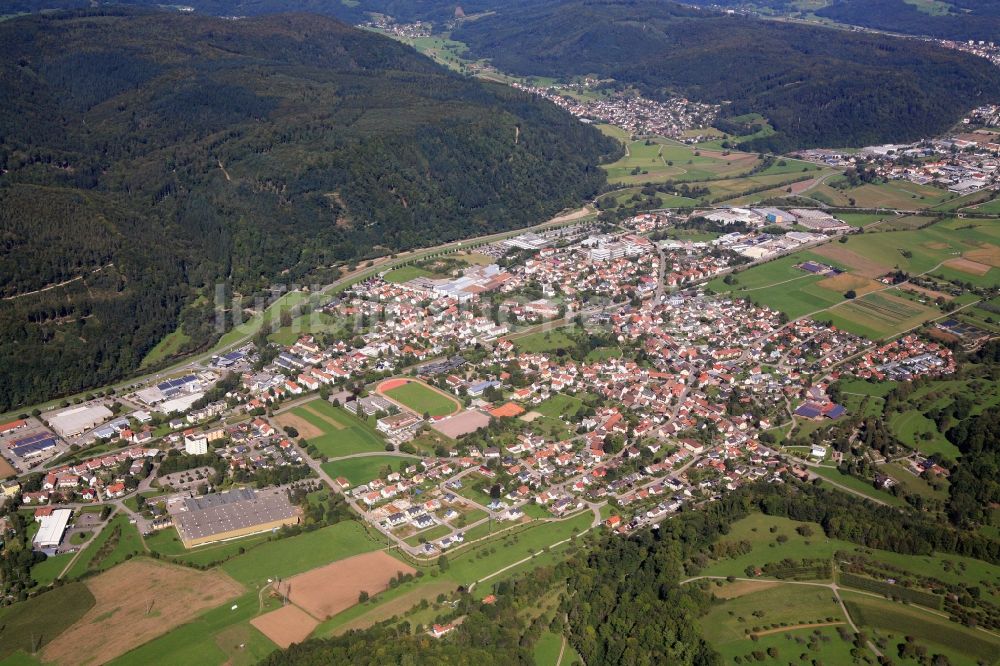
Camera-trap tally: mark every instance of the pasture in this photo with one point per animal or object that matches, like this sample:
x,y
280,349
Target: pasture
x,y
543,341
656,160
419,397
138,601
766,610
368,468
332,430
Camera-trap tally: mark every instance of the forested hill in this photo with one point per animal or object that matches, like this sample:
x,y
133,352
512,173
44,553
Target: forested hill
x,y
947,19
351,11
818,86
146,155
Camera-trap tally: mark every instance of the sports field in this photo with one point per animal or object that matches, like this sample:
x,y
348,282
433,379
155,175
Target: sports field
x,y
419,397
363,470
332,430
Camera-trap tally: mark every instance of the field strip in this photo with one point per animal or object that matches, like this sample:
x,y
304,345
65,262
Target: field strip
x,y
329,419
794,627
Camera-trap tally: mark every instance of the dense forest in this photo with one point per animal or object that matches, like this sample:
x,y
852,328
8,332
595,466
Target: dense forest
x,y
951,19
353,11
817,86
146,156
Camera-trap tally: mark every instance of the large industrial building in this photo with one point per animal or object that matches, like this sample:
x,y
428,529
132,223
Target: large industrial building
x,y
232,514
52,527
78,420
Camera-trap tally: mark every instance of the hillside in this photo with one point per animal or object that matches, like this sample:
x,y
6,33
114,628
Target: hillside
x,y
817,86
947,19
146,156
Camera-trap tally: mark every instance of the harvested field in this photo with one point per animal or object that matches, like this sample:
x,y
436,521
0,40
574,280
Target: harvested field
x,y
847,281
986,254
136,602
857,263
306,429
325,591
967,266
930,293
936,245
741,587
286,625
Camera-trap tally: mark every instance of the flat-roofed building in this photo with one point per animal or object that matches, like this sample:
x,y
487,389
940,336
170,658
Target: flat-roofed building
x,y
232,514
78,420
51,528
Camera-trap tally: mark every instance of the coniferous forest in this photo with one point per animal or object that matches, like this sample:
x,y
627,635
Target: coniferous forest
x,y
146,156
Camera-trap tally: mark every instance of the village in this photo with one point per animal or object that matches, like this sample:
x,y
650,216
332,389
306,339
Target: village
x,y
580,369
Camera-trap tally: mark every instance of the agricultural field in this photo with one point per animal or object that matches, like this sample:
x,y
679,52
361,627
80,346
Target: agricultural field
x,y
418,397
365,469
879,315
292,555
138,601
34,623
332,430
656,160
962,645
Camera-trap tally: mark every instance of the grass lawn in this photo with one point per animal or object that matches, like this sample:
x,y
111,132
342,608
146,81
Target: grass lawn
x,y
559,404
423,399
45,572
466,567
166,347
861,486
116,542
961,645
547,649
363,470
31,624
292,555
430,534
911,426
912,483
169,546
405,274
547,341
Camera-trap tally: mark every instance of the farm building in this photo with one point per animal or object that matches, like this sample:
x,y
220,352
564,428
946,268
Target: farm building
x,y
232,514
